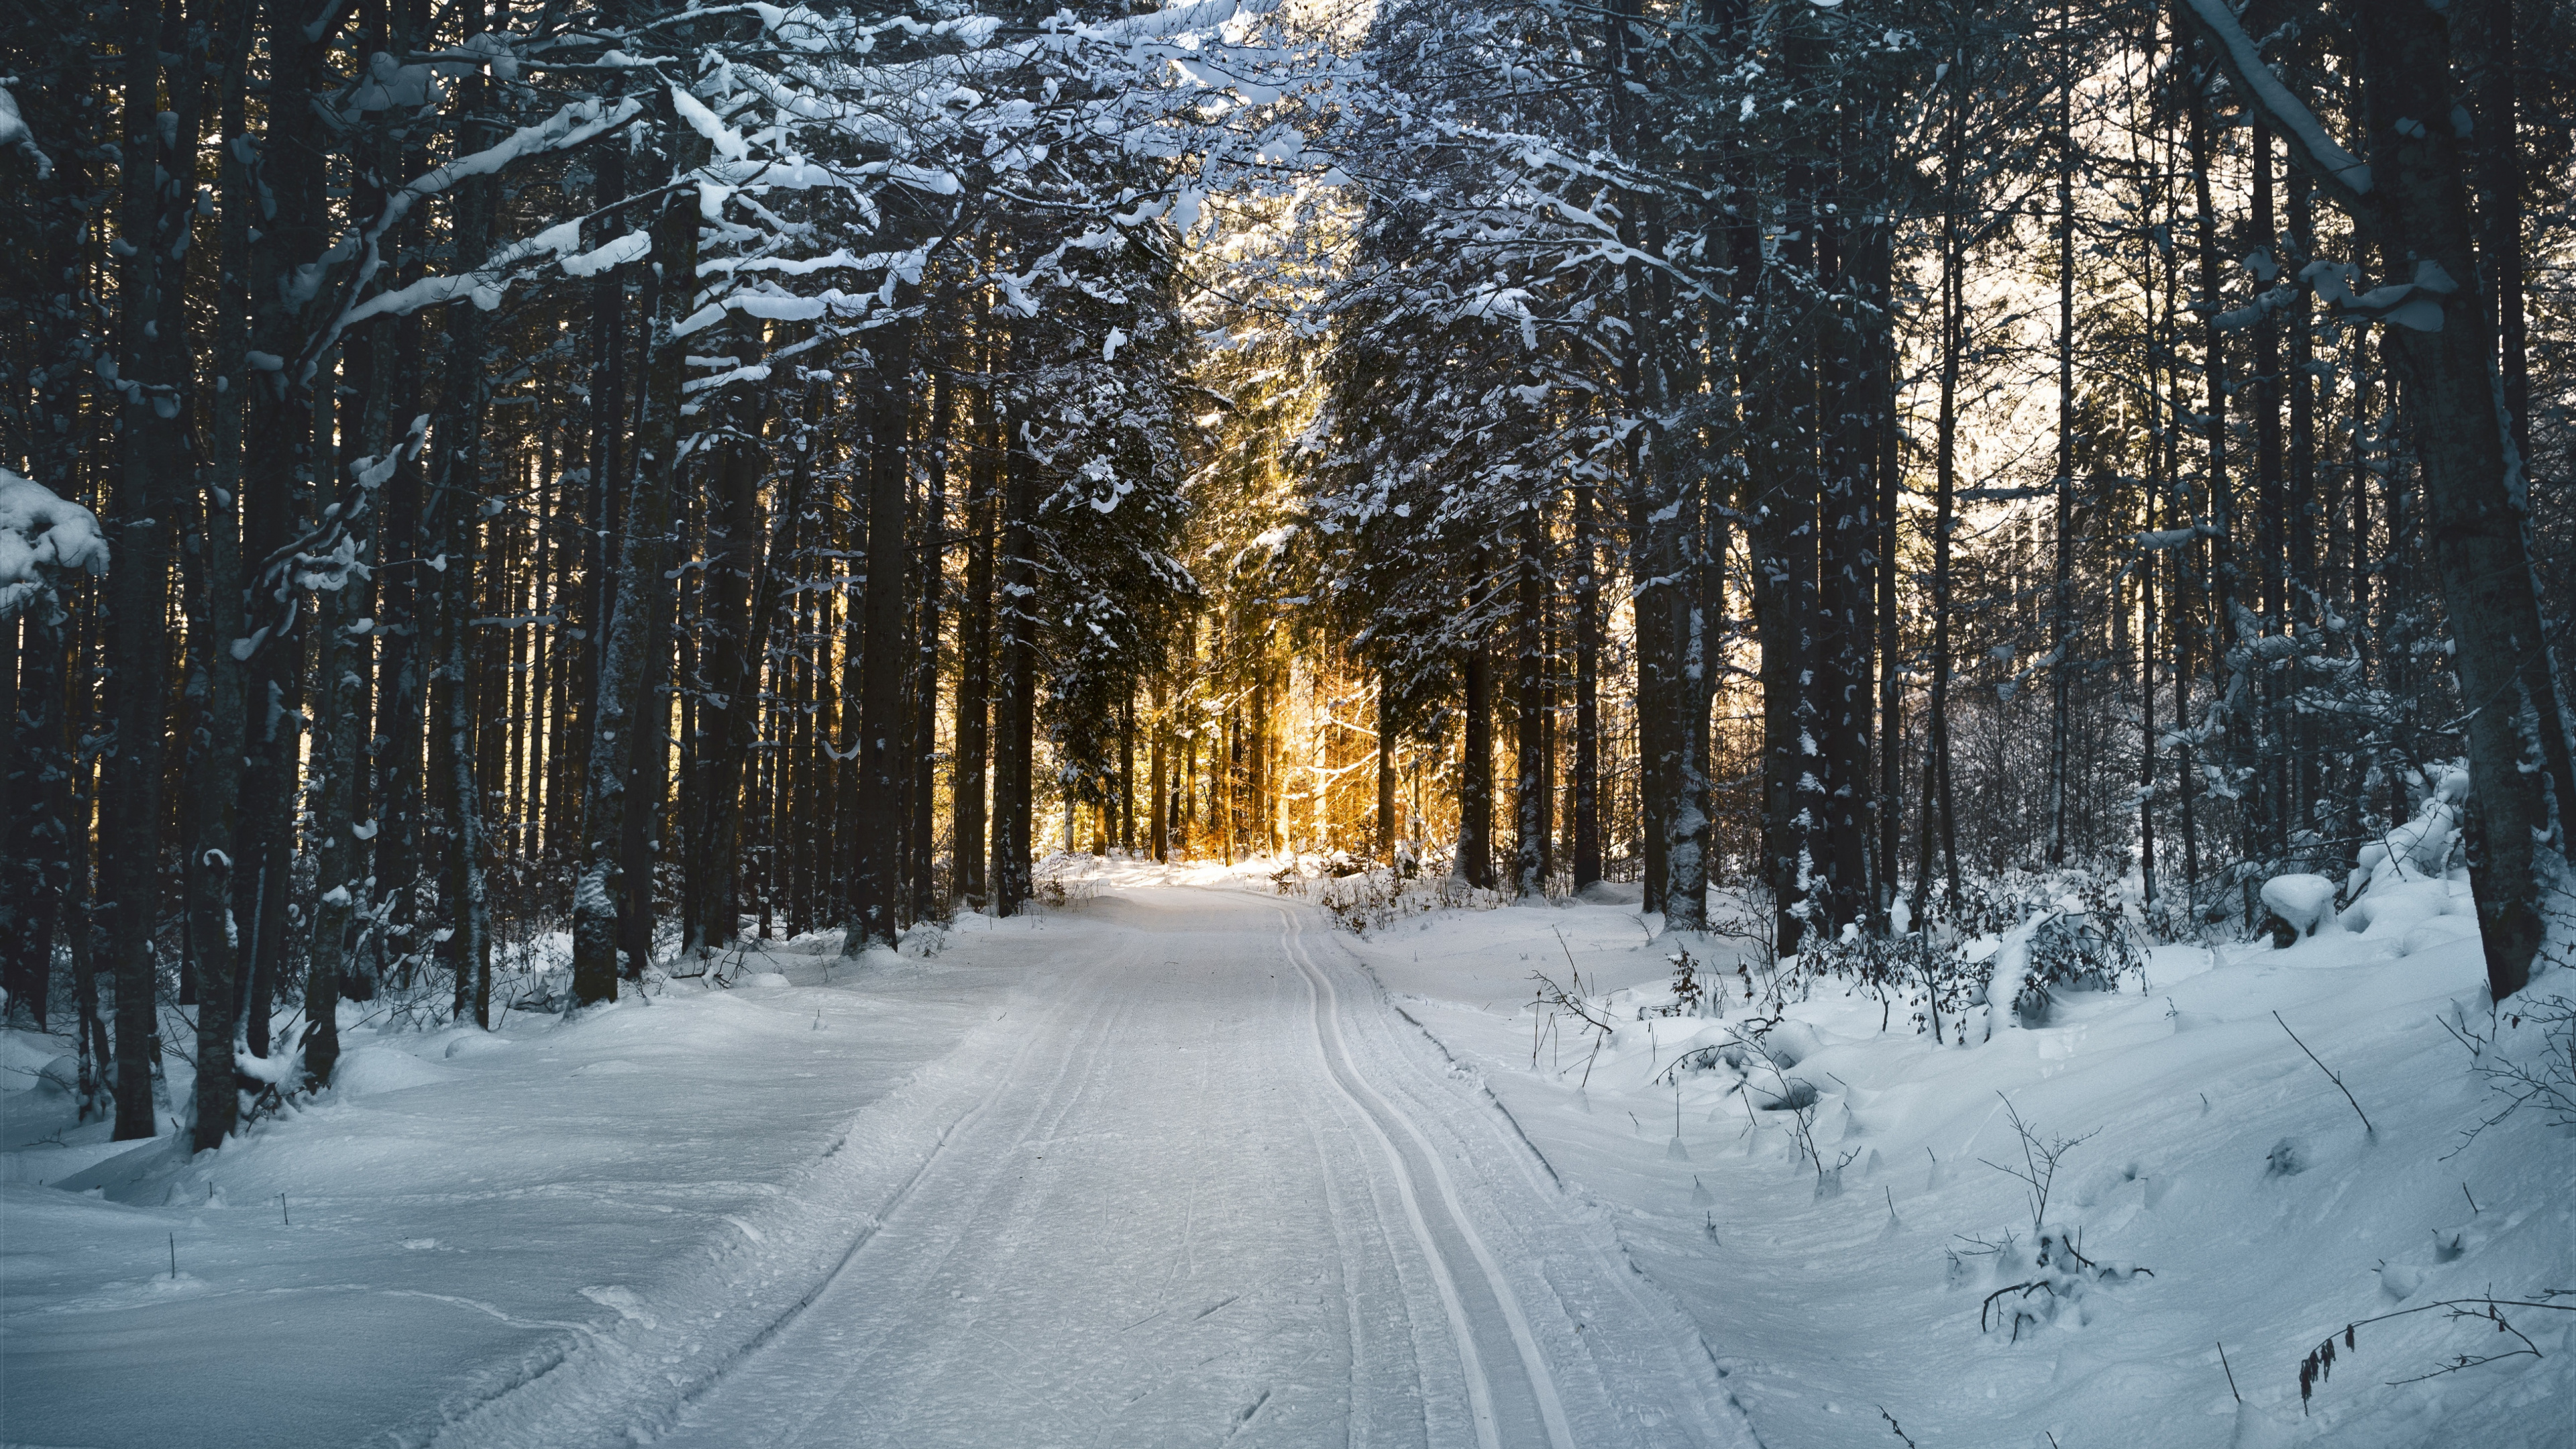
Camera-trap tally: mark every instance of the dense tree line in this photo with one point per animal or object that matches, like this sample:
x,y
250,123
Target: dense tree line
x,y
625,476
2041,441
557,467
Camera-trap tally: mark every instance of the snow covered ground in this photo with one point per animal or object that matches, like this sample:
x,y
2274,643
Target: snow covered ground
x,y
464,1211
1183,1162
2215,1154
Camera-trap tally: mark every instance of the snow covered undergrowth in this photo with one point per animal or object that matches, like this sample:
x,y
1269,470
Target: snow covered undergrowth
x,y
463,1212
2214,1154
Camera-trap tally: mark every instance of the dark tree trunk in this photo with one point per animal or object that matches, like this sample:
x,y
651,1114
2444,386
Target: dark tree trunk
x,y
213,770
1587,696
633,660
152,375
929,597
1476,766
748,581
876,906
458,506
2217,489
1530,802
1786,612
2301,770
975,644
1386,767
1846,583
1937,810
2061,668
1158,813
1015,687
2271,800
1891,680
396,942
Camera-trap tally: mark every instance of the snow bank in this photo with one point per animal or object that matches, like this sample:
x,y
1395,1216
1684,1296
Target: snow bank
x,y
1835,1203
369,1070
376,1264
2300,900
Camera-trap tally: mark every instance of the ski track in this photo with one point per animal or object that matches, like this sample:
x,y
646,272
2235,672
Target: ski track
x,y
1220,1194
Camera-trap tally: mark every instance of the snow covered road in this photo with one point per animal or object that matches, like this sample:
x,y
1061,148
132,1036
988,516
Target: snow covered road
x,y
1161,1167
1222,1194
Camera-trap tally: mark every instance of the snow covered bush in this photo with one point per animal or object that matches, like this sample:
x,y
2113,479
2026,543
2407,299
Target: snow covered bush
x,y
1374,897
2024,940
2086,942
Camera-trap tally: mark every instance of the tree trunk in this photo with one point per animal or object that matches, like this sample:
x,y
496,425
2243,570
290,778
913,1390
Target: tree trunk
x,y
458,507
1846,583
1386,768
632,659
151,374
1587,694
2271,761
876,906
932,546
734,634
2476,494
1529,789
1476,765
975,642
2217,495
1158,819
213,771
2061,668
754,576
1945,454
1015,690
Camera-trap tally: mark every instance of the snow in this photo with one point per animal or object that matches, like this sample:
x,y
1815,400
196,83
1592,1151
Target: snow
x,y
373,1069
633,246
1829,1295
2288,114
2301,901
1183,1160
450,1200
14,134
40,531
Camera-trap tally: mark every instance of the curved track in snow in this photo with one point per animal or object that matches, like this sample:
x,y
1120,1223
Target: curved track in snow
x,y
1220,1192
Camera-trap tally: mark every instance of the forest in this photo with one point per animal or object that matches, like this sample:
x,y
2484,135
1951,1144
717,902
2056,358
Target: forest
x,y
503,500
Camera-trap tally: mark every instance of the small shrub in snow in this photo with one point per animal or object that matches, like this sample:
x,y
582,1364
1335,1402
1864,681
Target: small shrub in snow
x,y
2065,1276
2527,1058
1373,898
1690,998
1552,1001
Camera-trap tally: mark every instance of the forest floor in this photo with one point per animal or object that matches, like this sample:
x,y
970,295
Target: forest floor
x,y
1179,1161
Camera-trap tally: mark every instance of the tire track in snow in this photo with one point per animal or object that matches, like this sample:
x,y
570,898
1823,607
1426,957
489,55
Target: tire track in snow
x,y
1529,1410
630,1383
1722,1415
1086,1060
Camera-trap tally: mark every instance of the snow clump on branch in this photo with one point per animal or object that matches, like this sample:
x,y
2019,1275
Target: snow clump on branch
x,y
40,531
